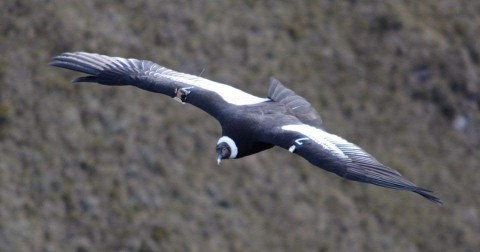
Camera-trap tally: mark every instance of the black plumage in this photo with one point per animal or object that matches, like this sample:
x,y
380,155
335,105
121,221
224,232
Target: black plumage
x,y
250,124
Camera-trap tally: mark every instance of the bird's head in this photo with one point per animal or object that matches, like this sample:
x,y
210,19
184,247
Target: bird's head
x,y
226,149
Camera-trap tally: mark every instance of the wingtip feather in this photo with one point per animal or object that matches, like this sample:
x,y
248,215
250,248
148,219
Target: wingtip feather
x,y
429,195
85,79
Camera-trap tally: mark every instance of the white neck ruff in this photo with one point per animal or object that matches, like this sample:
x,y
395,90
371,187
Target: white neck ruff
x,y
231,144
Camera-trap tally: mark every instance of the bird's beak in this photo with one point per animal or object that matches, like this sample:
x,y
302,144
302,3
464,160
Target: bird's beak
x,y
219,157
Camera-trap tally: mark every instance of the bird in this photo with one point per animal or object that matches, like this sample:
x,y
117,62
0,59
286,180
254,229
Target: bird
x,y
250,124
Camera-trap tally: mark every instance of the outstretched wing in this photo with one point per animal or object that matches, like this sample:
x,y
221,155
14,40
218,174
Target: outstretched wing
x,y
209,96
295,104
335,154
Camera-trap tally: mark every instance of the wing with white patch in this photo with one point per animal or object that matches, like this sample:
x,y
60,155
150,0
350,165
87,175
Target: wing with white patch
x,y
114,71
295,104
335,154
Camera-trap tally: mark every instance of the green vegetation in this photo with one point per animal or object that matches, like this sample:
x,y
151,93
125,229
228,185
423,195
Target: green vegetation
x,y
95,168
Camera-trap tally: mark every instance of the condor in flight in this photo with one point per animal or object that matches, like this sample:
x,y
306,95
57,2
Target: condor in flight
x,y
250,124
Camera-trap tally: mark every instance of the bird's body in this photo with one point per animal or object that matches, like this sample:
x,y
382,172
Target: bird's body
x,y
250,124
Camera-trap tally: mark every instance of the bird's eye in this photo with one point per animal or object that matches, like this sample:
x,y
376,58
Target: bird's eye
x,y
226,151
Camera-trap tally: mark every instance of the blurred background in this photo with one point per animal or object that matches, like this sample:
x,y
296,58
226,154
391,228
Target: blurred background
x,y
94,168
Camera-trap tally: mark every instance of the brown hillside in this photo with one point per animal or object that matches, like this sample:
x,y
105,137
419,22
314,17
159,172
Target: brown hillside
x,y
94,168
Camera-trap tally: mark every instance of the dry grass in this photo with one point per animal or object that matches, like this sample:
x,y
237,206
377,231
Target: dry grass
x,y
92,168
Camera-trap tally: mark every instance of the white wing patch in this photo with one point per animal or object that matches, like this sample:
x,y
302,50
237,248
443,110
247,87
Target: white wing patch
x,y
326,140
228,93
